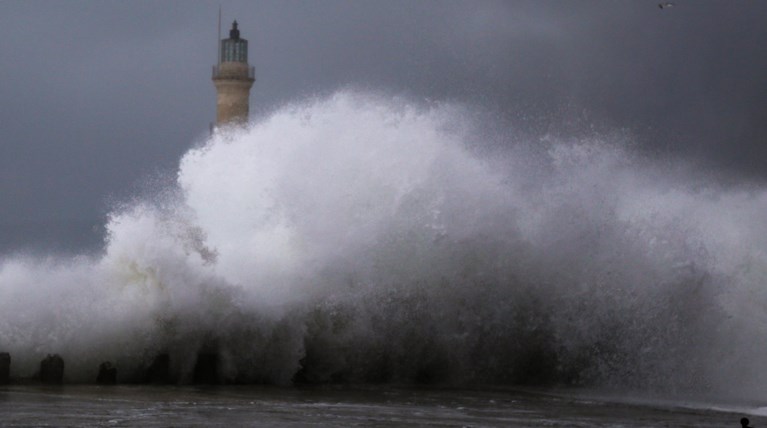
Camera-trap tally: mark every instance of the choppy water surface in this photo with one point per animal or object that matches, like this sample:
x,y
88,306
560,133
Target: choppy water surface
x,y
384,407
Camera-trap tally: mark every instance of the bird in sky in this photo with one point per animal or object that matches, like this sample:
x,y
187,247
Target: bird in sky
x,y
665,5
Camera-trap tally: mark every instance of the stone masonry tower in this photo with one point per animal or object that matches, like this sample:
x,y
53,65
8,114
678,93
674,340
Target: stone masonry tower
x,y
233,78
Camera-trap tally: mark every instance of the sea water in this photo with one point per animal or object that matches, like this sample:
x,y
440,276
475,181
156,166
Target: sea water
x,y
148,406
364,239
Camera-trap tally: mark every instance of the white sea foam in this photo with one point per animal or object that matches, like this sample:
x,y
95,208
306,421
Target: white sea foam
x,y
362,238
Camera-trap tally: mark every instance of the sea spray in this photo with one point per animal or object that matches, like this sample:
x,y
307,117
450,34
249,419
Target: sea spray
x,y
359,238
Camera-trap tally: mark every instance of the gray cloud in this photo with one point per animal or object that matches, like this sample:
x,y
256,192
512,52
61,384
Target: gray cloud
x,y
96,95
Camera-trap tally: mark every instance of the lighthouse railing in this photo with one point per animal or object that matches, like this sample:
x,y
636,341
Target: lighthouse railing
x,y
217,72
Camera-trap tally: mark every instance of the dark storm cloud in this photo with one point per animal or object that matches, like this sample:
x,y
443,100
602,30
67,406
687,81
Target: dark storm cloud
x,y
96,95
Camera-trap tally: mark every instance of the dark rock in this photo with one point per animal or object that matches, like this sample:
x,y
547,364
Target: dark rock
x,y
107,374
5,368
52,369
206,368
159,370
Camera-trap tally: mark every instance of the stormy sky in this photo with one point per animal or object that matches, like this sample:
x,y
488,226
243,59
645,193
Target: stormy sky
x,y
97,98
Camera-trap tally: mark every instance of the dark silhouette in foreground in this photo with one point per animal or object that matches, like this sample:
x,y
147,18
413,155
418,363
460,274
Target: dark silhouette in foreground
x,y
52,369
206,368
107,374
159,370
744,423
5,368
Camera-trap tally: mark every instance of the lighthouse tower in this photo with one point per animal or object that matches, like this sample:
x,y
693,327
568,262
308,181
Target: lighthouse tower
x,y
233,78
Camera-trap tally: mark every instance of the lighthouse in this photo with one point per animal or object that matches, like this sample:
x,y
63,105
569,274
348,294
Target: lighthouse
x,y
233,78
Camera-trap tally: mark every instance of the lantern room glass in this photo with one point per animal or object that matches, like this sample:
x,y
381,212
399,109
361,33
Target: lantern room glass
x,y
234,50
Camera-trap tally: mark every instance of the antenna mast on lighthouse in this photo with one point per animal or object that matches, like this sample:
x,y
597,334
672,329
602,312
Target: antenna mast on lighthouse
x,y
218,38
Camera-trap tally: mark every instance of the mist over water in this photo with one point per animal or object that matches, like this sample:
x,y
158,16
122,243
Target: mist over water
x,y
359,238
